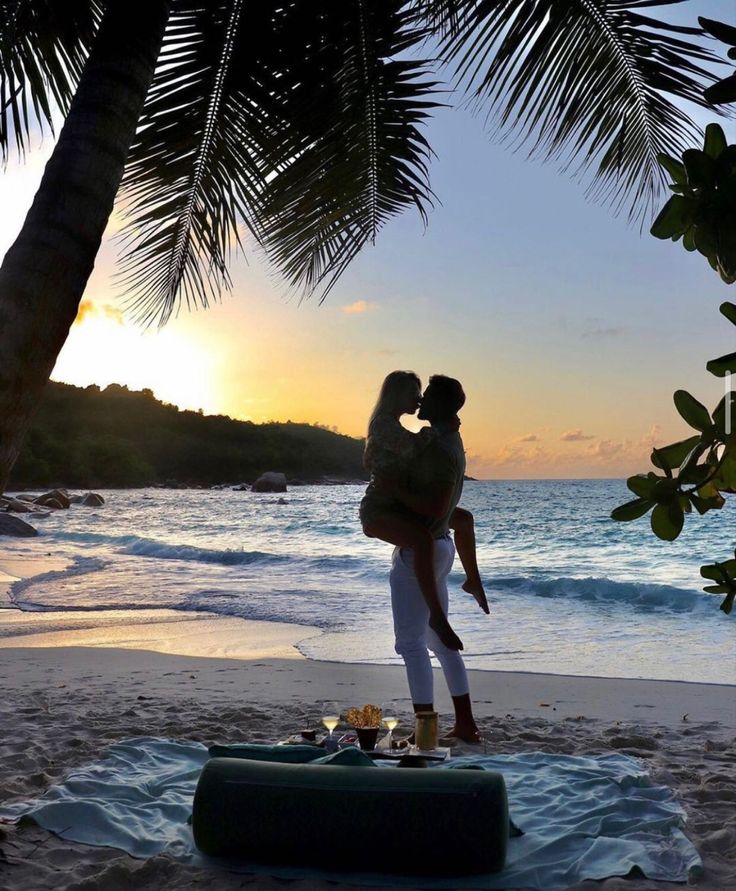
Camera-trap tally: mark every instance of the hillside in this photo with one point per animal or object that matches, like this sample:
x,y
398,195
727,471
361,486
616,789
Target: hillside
x,y
117,437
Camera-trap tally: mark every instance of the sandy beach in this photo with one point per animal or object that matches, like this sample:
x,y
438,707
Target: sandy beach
x,y
69,691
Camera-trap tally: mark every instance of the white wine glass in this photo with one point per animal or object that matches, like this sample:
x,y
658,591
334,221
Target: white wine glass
x,y
390,720
330,716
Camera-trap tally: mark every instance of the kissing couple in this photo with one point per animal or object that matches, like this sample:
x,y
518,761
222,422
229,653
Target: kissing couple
x,y
416,480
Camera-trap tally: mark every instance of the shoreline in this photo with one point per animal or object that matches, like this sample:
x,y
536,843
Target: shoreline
x,y
163,630
104,629
162,645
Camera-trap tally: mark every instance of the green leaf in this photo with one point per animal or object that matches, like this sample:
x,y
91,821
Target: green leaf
x,y
715,141
729,311
726,167
667,521
727,604
727,248
713,572
706,239
725,33
692,411
673,219
725,481
709,492
723,365
673,455
716,589
722,92
632,510
695,474
665,490
701,169
720,416
703,505
675,168
688,239
642,484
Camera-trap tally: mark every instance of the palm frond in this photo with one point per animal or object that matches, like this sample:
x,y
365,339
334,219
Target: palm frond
x,y
188,177
353,154
588,83
291,118
43,48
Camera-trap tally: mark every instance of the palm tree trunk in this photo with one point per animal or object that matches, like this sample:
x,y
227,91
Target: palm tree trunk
x,y
45,272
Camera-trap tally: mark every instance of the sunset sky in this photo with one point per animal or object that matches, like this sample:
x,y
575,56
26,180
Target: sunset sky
x,y
569,329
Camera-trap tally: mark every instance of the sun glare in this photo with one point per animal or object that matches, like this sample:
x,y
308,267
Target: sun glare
x,y
103,349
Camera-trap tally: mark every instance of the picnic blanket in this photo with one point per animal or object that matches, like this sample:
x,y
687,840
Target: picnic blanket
x,y
582,817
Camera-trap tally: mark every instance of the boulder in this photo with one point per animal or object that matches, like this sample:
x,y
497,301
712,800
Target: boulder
x,y
16,527
16,505
243,487
75,499
92,499
54,498
270,482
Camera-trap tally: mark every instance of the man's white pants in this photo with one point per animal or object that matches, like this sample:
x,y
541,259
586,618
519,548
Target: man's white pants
x,y
414,637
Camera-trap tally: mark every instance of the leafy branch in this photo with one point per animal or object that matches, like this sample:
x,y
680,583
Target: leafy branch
x,y
699,471
696,472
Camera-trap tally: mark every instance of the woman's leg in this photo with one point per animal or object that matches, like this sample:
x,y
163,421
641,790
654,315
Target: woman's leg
x,y
463,524
405,532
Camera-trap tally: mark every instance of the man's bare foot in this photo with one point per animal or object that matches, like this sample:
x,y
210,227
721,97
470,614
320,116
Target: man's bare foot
x,y
476,589
469,734
443,630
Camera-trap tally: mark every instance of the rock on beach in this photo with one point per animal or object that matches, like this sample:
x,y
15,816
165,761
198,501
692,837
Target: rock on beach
x,y
270,482
16,527
55,498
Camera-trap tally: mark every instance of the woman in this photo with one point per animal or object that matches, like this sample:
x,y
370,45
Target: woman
x,y
389,450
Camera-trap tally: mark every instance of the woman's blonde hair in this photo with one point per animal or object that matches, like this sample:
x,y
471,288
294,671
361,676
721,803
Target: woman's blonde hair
x,y
393,389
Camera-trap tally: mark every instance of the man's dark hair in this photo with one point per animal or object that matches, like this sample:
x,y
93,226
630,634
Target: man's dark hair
x,y
448,395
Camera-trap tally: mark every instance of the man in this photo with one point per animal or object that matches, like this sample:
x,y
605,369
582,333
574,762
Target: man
x,y
433,491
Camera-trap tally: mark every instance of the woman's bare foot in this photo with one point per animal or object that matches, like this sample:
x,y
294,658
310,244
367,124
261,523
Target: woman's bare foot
x,y
475,587
443,630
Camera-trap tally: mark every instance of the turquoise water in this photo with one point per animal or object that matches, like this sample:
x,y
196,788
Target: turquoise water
x,y
572,592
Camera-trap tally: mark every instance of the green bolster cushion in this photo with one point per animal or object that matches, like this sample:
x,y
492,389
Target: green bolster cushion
x,y
408,822
260,752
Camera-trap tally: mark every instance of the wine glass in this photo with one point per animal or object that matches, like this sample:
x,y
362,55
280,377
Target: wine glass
x,y
389,719
330,716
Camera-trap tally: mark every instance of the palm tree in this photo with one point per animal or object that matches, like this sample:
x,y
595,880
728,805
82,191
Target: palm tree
x,y
297,122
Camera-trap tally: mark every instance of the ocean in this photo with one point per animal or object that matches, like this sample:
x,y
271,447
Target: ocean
x,y
571,591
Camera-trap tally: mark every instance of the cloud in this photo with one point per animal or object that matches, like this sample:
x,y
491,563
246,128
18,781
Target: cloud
x,y
604,457
89,309
388,353
360,306
530,437
606,449
576,436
